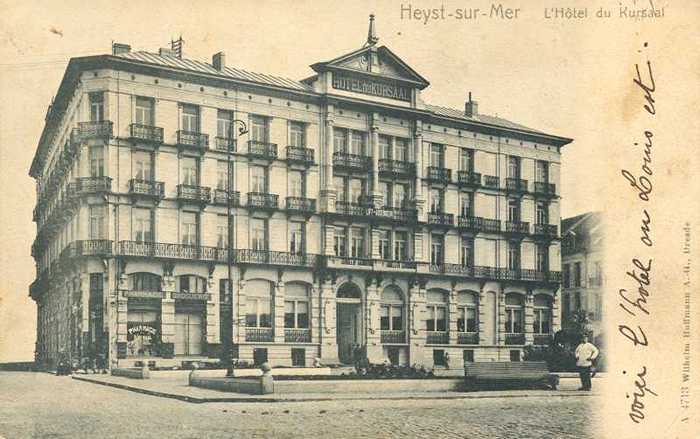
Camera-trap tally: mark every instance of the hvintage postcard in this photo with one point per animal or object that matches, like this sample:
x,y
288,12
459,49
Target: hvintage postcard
x,y
350,219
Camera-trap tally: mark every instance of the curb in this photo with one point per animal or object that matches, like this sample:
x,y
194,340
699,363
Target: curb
x,y
196,400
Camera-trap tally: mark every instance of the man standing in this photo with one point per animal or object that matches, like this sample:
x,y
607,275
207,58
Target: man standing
x,y
585,354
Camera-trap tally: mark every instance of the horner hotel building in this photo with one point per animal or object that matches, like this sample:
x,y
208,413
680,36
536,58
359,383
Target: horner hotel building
x,y
361,217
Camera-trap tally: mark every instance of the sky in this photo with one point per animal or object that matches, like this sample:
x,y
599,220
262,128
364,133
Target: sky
x,y
549,75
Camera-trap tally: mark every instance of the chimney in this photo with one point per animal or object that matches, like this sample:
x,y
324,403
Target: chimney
x,y
164,51
218,60
119,48
471,108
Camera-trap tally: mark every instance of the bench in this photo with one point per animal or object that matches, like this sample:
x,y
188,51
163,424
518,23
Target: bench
x,y
509,374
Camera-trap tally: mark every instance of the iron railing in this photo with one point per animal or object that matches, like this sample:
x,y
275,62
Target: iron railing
x,y
188,192
397,168
221,196
392,337
545,188
249,256
468,338
299,154
441,219
259,335
479,224
542,339
515,339
92,130
193,139
300,204
88,185
226,144
468,178
146,133
516,184
147,188
546,230
491,181
263,150
439,175
262,200
352,162
437,337
397,214
518,227
352,209
296,335
349,260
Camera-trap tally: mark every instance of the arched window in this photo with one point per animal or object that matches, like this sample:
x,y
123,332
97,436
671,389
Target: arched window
x,y
437,311
258,304
466,312
349,291
514,313
191,283
391,313
542,323
296,306
145,282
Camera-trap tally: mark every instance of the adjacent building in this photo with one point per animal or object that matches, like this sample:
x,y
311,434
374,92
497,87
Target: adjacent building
x,y
582,267
360,216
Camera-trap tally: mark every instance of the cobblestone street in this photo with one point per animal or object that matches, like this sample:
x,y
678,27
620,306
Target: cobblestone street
x,y
41,405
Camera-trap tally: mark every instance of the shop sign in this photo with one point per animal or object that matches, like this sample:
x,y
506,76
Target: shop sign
x,y
383,89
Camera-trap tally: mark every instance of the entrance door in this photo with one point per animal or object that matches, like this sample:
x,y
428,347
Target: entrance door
x,y
348,329
188,333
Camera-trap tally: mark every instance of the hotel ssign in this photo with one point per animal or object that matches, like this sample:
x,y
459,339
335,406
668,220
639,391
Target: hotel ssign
x,y
363,219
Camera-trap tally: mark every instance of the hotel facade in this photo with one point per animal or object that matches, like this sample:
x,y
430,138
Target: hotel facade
x,y
360,217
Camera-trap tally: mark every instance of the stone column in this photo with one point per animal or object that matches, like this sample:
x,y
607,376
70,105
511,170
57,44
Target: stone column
x,y
452,315
529,318
315,314
328,231
167,309
377,197
239,313
327,193
481,314
374,249
501,316
375,352
278,302
416,326
122,311
212,308
556,312
329,343
418,157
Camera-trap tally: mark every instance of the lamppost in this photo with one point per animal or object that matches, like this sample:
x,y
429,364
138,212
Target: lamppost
x,y
227,342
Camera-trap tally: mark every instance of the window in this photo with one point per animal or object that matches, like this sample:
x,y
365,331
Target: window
x,y
513,210
400,191
258,179
466,160
296,238
224,124
143,225
513,255
468,355
542,257
356,190
341,188
298,357
466,201
189,228
190,171
97,107
391,310
97,161
296,184
542,212
385,190
357,242
384,147
222,175
436,155
259,356
258,304
596,278
567,275
577,301
340,140
436,200
145,282
143,166
513,167
401,246
514,313
259,129
357,145
384,245
542,323
514,355
439,358
436,249
190,283
97,222
541,171
189,118
143,112
340,241
437,311
466,312
258,234
142,331
401,150
297,134
222,231
296,307
577,274
466,253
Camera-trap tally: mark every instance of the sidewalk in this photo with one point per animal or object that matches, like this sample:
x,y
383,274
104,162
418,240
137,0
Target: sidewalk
x,y
177,388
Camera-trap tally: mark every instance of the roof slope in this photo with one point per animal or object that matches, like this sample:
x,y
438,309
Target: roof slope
x,y
483,118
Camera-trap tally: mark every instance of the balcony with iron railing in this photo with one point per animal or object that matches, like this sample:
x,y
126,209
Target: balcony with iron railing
x,y
542,339
441,219
171,251
353,209
396,168
478,224
468,338
544,188
146,133
221,197
437,337
94,130
300,155
397,214
193,193
468,179
225,144
516,184
301,205
147,188
91,185
262,200
89,247
517,227
297,335
545,230
351,162
394,264
193,140
515,338
267,257
490,181
349,261
259,335
392,337
438,175
262,150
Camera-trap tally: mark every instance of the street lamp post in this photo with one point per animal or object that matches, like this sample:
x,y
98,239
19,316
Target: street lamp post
x,y
227,342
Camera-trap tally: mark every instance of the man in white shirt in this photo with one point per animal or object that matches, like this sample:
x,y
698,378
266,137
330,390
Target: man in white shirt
x,y
585,354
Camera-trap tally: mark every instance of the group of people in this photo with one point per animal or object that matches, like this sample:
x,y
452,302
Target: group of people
x,y
95,363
